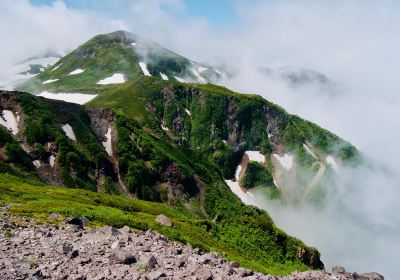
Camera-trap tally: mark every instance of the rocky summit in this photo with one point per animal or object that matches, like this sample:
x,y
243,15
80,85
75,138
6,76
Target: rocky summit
x,y
70,250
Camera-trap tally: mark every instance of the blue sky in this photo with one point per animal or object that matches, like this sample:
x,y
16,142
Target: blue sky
x,y
217,12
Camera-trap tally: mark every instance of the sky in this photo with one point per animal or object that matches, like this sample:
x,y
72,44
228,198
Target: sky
x,y
354,43
218,13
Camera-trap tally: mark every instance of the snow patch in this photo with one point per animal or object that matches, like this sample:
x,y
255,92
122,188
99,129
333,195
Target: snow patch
x,y
163,76
197,75
164,128
202,69
275,183
237,172
50,81
308,149
52,160
246,197
37,163
145,71
116,78
77,71
286,160
55,68
256,156
69,131
9,121
188,112
107,144
332,162
179,79
78,98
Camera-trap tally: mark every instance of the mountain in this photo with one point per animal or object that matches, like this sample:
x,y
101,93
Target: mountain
x,y
199,153
104,151
298,77
253,141
114,58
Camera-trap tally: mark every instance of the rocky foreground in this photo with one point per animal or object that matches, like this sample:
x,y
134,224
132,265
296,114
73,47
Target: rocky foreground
x,y
71,251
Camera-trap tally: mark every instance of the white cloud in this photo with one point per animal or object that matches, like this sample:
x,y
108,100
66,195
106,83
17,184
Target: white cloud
x,y
27,30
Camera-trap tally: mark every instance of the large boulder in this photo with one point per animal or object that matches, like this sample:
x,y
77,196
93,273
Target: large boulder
x,y
164,220
80,222
120,256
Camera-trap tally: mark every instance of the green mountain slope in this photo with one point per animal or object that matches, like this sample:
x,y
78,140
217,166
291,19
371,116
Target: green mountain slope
x,y
120,53
107,152
199,153
224,125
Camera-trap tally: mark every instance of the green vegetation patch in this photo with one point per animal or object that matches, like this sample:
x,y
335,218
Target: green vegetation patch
x,y
250,239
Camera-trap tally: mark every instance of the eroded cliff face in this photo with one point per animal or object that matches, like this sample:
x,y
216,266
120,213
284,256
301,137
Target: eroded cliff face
x,y
300,157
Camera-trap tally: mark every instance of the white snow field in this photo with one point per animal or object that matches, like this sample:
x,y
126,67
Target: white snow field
x,y
163,76
108,144
116,78
143,66
49,81
256,156
9,121
76,71
69,131
78,98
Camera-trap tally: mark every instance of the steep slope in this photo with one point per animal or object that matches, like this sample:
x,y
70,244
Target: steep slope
x,y
113,58
254,142
99,150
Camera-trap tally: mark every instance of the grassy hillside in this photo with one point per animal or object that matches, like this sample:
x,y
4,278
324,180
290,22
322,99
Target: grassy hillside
x,y
250,239
108,54
204,116
186,182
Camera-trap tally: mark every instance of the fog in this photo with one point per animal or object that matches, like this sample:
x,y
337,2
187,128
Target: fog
x,y
354,43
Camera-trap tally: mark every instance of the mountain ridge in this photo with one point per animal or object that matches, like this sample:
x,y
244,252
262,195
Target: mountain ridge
x,y
198,148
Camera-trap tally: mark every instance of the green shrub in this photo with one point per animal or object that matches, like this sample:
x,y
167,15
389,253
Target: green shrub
x,y
256,174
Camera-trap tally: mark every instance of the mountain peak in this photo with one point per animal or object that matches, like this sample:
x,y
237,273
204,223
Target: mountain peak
x,y
119,35
113,58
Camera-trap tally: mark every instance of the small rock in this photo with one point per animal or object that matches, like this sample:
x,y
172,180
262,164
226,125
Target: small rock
x,y
121,256
118,244
181,261
110,231
369,276
81,222
54,216
338,270
155,275
64,249
74,254
149,262
245,273
125,230
164,220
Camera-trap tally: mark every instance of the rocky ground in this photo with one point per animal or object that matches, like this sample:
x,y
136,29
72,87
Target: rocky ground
x,y
72,251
